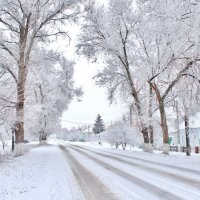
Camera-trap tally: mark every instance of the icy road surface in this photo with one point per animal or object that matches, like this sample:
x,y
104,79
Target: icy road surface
x,y
76,172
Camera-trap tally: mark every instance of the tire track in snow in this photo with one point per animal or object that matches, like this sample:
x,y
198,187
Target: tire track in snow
x,y
91,186
143,166
191,171
161,193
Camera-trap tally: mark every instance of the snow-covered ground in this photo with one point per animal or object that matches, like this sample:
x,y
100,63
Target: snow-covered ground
x,y
88,171
42,173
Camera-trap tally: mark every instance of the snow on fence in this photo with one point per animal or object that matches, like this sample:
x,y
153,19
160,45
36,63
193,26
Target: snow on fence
x,y
177,148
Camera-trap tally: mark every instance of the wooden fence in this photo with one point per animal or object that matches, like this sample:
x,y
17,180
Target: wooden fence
x,y
176,148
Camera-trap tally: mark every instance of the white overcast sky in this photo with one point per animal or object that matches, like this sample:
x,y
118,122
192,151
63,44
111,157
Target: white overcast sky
x,y
94,100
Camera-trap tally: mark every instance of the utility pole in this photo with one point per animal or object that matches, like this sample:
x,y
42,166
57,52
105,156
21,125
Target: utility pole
x,y
177,123
131,114
13,139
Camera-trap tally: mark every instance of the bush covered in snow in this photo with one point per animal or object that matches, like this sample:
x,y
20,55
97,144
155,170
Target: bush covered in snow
x,y
121,133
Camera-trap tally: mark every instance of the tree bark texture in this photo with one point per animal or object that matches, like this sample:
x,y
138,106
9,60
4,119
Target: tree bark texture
x,y
188,147
22,75
150,115
163,119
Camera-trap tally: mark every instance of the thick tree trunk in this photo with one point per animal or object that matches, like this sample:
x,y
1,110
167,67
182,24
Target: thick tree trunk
x,y
147,145
144,127
22,75
151,137
188,150
163,119
164,128
135,95
19,132
150,115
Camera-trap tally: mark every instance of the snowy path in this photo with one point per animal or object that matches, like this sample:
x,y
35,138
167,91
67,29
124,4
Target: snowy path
x,y
137,179
41,174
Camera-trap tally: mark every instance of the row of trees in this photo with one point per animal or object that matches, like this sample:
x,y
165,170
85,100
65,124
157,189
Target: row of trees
x,y
36,83
151,52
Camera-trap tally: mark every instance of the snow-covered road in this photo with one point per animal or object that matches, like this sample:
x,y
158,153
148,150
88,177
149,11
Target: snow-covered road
x,y
70,171
137,178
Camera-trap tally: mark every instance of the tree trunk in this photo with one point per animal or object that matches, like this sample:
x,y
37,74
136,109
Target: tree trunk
x,y
3,144
144,127
164,128
163,119
22,75
188,150
178,129
13,143
117,145
19,132
151,137
150,115
19,137
124,146
131,114
147,145
135,95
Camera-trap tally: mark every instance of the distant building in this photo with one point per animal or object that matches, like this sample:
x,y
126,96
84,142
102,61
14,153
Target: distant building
x,y
179,135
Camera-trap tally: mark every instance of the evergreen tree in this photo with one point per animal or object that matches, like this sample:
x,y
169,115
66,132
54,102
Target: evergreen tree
x,y
98,125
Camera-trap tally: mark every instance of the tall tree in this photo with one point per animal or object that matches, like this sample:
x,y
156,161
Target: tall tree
x,y
110,32
51,89
167,49
187,98
24,24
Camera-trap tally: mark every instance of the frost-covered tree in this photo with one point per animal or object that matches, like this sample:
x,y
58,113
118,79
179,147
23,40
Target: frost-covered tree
x,y
51,89
110,32
74,134
148,47
168,46
187,101
23,24
121,133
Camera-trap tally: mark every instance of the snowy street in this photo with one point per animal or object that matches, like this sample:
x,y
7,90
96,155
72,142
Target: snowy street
x,y
77,171
100,100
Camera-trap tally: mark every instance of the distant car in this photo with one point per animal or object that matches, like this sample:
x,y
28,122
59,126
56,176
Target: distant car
x,y
26,141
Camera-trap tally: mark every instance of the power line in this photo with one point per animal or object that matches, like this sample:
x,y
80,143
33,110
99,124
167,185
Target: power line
x,y
80,122
77,122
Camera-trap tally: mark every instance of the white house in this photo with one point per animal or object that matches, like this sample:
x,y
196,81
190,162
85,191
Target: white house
x,y
178,137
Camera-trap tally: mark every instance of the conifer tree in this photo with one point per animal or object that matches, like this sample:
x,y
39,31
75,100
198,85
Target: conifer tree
x,y
98,125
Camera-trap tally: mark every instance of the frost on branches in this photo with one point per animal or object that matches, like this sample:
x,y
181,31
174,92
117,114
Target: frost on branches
x,y
149,47
121,133
24,26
